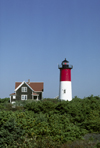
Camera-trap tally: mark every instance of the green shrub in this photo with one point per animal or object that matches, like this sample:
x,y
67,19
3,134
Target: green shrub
x,y
48,120
4,100
10,132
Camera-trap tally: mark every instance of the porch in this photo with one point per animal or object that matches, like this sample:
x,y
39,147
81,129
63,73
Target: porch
x,y
35,96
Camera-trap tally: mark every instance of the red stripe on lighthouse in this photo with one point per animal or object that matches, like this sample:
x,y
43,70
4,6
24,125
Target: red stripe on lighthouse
x,y
65,74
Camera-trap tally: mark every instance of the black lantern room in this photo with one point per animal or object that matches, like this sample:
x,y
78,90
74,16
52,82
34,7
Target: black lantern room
x,y
65,65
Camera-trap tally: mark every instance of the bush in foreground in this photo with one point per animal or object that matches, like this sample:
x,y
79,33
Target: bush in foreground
x,y
50,122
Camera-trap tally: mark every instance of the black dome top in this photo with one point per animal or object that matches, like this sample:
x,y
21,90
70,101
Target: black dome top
x,y
65,65
65,61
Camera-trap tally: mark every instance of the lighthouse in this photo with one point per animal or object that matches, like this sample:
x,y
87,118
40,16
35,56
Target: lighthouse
x,y
65,88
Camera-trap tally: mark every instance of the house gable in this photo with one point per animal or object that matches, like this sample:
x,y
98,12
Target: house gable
x,y
22,84
20,93
35,86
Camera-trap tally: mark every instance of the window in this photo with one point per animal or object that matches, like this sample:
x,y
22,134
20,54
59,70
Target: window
x,y
14,97
64,91
23,97
24,89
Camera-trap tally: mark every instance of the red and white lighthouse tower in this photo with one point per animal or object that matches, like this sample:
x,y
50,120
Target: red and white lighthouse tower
x,y
65,89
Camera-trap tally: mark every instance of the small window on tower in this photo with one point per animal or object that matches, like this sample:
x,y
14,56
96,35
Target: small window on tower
x,y
64,91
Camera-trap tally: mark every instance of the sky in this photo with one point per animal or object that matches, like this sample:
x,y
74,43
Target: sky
x,y
37,35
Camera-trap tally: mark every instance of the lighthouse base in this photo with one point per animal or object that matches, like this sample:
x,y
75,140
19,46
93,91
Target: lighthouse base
x,y
65,92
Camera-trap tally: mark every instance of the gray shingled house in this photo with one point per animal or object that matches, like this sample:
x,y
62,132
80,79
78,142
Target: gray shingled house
x,y
27,90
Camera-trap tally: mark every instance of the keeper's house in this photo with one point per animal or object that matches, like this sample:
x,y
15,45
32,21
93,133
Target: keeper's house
x,y
27,90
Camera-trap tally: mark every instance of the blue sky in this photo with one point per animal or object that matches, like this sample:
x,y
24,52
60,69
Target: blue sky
x,y
37,35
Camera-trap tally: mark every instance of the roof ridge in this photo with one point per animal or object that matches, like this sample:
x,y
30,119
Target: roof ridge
x,y
35,86
30,82
36,82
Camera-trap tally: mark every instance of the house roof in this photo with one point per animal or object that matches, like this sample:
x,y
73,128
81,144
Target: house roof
x,y
36,86
35,94
12,94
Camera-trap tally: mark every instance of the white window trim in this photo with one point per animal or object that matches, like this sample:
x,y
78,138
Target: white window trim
x,y
14,97
24,97
24,89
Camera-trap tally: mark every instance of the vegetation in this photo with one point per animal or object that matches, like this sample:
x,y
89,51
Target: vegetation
x,y
50,123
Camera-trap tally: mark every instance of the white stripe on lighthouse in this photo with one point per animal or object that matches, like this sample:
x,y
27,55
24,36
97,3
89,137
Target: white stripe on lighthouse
x,y
65,90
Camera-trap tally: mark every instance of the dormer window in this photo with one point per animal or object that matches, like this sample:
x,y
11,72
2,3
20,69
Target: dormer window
x,y
24,89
